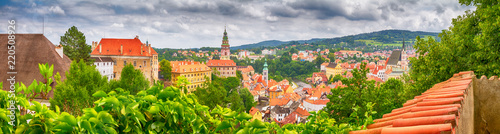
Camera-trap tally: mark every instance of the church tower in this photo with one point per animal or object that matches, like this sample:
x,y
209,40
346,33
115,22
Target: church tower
x,y
225,52
265,73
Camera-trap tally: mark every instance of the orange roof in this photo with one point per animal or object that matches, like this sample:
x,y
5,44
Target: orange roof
x,y
324,64
317,93
318,102
376,79
245,78
188,66
221,63
432,112
258,79
302,112
315,97
293,96
284,82
255,76
290,119
278,101
258,88
273,89
253,92
131,47
253,110
271,83
247,69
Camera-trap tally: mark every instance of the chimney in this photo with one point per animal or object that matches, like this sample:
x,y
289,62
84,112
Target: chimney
x,y
59,50
100,48
149,48
121,49
136,36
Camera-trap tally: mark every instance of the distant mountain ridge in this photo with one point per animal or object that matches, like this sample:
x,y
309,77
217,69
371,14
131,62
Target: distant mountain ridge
x,y
271,43
384,36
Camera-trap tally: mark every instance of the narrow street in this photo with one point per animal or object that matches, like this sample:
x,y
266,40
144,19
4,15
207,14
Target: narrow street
x,y
300,85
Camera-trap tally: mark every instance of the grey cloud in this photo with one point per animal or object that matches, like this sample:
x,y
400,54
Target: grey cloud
x,y
190,23
321,9
226,8
439,9
392,7
283,11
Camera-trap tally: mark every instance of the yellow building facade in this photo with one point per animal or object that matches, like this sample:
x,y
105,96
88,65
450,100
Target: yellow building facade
x,y
195,73
256,114
333,69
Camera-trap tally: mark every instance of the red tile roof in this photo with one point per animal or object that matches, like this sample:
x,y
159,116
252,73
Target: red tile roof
x,y
258,88
221,63
290,119
279,101
293,96
253,110
376,79
247,69
131,47
435,111
302,112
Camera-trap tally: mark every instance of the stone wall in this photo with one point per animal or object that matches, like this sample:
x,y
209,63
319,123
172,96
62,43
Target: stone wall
x,y
466,112
486,105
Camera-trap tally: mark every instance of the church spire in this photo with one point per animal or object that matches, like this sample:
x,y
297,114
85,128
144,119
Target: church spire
x,y
225,40
225,52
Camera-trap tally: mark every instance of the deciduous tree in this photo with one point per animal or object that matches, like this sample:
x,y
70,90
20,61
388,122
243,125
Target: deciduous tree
x,y
166,69
74,94
131,79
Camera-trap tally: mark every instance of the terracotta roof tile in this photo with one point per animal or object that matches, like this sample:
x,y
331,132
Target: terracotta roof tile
x,y
279,101
253,110
131,47
435,111
221,63
302,112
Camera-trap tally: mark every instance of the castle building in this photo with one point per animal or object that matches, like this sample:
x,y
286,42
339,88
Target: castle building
x,y
195,72
225,52
223,68
128,51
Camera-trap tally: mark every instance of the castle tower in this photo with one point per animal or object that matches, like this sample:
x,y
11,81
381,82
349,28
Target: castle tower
x,y
265,73
225,52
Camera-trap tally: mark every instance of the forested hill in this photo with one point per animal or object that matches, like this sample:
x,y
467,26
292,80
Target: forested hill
x,y
385,37
270,43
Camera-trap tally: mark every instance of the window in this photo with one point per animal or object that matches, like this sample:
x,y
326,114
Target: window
x,y
145,64
135,63
124,63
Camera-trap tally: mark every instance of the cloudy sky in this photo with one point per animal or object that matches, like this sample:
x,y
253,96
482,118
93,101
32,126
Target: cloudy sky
x,y
200,23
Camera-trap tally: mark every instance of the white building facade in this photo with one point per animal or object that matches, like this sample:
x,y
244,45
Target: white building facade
x,y
105,66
